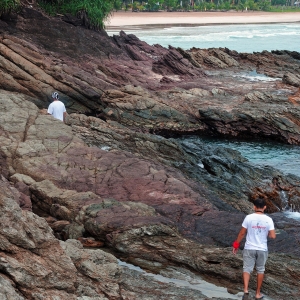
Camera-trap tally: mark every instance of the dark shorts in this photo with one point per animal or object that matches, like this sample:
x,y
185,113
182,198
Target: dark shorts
x,y
254,257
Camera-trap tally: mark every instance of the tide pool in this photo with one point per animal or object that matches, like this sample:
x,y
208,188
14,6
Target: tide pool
x,y
240,37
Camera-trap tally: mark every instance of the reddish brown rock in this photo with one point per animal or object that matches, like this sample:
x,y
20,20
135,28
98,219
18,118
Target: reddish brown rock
x,y
108,177
90,243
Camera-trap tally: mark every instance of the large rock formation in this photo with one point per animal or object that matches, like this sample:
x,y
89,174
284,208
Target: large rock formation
x,y
106,179
175,90
35,265
119,197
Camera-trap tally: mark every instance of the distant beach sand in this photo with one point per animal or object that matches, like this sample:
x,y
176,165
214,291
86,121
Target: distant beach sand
x,y
127,20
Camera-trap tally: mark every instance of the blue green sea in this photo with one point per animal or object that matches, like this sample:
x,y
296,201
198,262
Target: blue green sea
x,y
239,37
262,153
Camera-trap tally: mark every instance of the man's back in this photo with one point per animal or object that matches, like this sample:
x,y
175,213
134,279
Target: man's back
x,y
258,227
57,110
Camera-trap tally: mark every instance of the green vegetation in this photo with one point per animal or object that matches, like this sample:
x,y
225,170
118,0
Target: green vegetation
x,y
92,12
7,6
208,5
284,8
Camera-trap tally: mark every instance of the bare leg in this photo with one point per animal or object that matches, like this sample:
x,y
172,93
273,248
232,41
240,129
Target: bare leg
x,y
260,278
246,278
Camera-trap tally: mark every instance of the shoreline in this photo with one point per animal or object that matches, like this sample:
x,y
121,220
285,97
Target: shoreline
x,y
134,20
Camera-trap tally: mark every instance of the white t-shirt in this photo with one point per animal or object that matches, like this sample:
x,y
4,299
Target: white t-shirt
x,y
57,109
258,227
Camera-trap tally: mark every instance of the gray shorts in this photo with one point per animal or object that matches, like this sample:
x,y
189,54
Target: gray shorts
x,y
254,257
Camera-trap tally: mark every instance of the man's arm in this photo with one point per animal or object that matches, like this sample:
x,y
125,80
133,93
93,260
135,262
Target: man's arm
x,y
50,110
239,238
272,234
65,114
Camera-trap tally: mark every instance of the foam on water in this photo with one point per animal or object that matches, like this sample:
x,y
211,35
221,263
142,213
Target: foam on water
x,y
105,148
239,37
292,215
254,76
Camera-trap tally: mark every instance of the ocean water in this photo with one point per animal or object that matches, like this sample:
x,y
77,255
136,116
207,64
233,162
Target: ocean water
x,y
240,37
285,158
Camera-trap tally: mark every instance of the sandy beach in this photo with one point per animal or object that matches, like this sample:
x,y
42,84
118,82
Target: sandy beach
x,y
123,20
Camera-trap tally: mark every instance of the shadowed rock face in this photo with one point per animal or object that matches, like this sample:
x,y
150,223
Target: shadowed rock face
x,y
107,179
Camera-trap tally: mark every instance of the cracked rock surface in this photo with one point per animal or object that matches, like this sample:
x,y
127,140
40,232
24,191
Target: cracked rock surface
x,y
112,177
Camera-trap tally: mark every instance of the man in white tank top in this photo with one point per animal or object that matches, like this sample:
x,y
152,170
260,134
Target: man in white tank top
x,y
258,228
57,109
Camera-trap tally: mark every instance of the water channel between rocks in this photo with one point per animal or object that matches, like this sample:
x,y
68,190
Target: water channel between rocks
x,y
186,279
285,158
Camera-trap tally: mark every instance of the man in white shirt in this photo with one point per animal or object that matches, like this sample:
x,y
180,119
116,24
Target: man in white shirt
x,y
258,228
57,109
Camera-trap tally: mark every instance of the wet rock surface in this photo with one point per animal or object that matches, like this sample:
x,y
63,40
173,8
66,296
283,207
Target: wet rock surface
x,y
112,178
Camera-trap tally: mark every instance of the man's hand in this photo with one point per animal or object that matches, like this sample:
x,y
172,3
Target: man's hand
x,y
235,250
236,243
235,247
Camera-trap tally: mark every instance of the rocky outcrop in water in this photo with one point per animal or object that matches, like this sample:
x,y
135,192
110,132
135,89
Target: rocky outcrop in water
x,y
106,179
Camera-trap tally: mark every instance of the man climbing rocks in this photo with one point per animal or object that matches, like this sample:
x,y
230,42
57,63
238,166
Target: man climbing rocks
x,y
258,228
57,109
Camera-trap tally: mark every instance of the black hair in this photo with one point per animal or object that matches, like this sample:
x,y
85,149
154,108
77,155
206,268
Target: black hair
x,y
55,95
259,202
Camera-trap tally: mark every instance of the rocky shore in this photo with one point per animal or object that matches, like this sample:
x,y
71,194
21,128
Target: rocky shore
x,y
116,182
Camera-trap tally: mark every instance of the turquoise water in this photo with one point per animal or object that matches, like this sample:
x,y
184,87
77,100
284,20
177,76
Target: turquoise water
x,y
239,37
285,158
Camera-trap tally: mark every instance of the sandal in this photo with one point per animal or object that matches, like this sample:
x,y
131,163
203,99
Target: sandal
x,y
259,298
245,296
